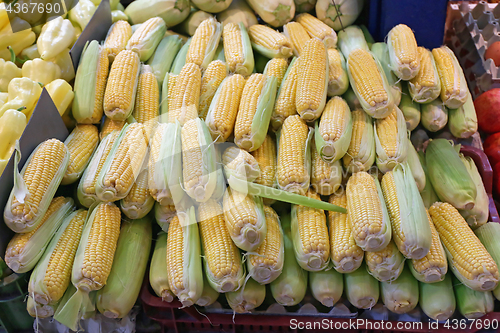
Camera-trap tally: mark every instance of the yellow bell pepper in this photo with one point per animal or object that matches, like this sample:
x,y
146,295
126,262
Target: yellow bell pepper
x,y
41,71
78,32
56,36
30,53
19,40
12,125
8,71
4,15
61,93
63,60
117,15
23,93
82,13
4,97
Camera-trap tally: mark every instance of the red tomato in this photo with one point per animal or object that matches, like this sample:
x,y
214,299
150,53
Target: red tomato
x,y
492,148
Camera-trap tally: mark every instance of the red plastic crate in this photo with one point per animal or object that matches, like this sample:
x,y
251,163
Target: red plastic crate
x,y
174,319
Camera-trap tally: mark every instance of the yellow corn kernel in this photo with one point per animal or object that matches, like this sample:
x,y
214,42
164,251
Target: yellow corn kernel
x,y
212,78
404,58
285,101
110,126
117,38
147,101
270,42
185,95
316,28
276,67
298,36
81,144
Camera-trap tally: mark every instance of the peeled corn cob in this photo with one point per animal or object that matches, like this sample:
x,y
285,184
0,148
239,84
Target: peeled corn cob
x,y
185,95
138,203
239,163
453,84
434,115
317,29
469,260
204,43
117,38
285,99
437,300
238,49
270,43
381,52
110,126
81,143
36,185
426,85
326,286
276,67
326,178
249,297
298,35
478,215
361,152
345,254
386,264
158,276
362,289
405,60
266,156
147,37
146,107
338,82
211,80
401,295
223,266
391,140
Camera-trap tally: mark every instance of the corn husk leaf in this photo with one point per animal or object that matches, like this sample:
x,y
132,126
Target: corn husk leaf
x,y
326,286
401,295
437,300
434,115
249,297
158,276
381,52
478,215
162,59
361,289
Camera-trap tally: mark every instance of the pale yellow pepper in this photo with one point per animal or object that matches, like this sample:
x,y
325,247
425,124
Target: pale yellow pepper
x,y
61,93
19,40
63,60
4,97
82,13
23,93
117,15
8,71
56,36
12,125
30,53
41,71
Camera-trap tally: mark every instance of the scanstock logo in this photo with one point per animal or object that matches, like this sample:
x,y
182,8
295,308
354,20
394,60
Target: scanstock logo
x,y
23,15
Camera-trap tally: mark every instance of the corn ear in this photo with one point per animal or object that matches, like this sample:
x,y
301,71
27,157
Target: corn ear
x,y
478,215
434,115
437,300
361,152
326,178
463,121
404,58
162,59
350,39
326,286
338,81
269,42
249,297
82,142
147,37
284,105
180,58
426,86
488,235
401,295
390,153
381,52
453,83
410,109
385,265
362,289
204,56
238,49
472,304
158,276
138,203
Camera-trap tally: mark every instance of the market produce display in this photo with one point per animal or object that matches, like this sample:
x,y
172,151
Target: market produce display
x,y
273,151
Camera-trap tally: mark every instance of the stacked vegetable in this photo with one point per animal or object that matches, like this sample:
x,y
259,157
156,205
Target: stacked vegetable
x,y
184,118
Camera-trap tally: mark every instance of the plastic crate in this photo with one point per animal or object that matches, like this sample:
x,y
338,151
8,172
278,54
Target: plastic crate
x,y
174,319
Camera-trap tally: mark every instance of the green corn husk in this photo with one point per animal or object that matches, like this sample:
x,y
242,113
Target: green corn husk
x,y
40,311
180,60
331,151
410,109
191,287
276,13
352,100
19,193
238,12
488,235
387,163
326,286
434,115
337,84
165,87
278,119
119,294
209,295
189,25
362,289
381,52
478,215
172,12
449,176
290,287
401,295
385,265
86,189
351,38
422,94
219,54
137,208
221,186
428,194
158,276
437,300
260,122
212,6
150,38
32,252
241,164
246,67
161,61
470,303
416,167
249,297
463,121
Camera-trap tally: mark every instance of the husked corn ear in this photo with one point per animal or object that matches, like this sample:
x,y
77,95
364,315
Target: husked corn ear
x,y
298,35
266,158
470,262
380,51
488,235
87,186
90,83
199,161
25,250
312,79
285,100
333,135
147,37
204,43
400,296
81,143
338,82
167,96
326,178
433,267
121,87
386,264
346,256
361,289
158,273
267,263
223,265
370,84
426,85
269,42
138,203
361,152
240,163
317,29
391,140
310,236
123,164
294,156
403,54
146,107
238,49
367,212
453,84
245,219
36,185
254,112
52,275
212,78
185,95
222,113
434,115
110,126
276,67
117,38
